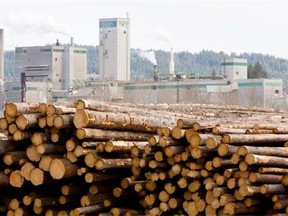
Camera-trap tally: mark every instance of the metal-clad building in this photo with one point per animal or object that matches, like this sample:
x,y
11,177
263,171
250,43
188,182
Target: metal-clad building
x,y
57,67
55,63
114,49
234,68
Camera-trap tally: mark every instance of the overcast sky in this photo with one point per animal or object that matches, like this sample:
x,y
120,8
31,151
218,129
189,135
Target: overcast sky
x,y
229,26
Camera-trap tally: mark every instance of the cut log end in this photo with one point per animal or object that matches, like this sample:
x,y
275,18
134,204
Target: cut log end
x,y
57,169
80,133
37,176
81,119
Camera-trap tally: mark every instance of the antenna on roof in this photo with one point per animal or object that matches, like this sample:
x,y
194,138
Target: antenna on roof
x,y
127,14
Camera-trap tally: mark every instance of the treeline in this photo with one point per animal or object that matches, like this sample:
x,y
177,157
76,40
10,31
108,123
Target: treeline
x,y
204,63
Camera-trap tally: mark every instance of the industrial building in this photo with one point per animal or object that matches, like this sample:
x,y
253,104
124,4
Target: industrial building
x,y
59,72
114,49
50,72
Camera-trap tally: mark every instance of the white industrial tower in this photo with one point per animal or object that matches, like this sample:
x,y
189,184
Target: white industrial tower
x,y
114,49
1,54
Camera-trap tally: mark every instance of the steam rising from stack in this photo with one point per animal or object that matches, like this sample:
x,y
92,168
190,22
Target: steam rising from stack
x,y
165,36
27,23
149,55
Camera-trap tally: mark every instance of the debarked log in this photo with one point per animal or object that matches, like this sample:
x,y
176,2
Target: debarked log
x,y
98,134
254,138
120,121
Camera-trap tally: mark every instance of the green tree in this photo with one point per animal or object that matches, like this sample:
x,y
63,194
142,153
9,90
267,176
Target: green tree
x,y
256,71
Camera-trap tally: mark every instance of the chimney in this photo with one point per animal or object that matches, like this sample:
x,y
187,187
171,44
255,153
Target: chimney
x,y
71,41
171,64
1,54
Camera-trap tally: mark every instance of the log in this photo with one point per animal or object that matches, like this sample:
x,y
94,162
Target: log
x,y
3,124
122,121
266,160
172,150
4,179
16,179
63,121
169,141
88,200
122,146
240,208
226,149
59,110
13,157
113,163
37,176
50,120
88,209
22,135
222,130
71,144
255,139
92,177
15,109
42,122
25,121
7,146
32,153
12,128
98,134
39,138
272,189
80,151
178,133
50,149
279,151
62,168
265,178
275,170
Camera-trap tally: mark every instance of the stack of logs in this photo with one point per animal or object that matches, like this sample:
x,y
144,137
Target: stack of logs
x,y
97,158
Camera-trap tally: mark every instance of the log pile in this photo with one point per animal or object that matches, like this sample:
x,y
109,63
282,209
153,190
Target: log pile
x,y
91,157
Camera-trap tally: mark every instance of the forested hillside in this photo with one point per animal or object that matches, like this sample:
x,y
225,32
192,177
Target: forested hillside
x,y
198,64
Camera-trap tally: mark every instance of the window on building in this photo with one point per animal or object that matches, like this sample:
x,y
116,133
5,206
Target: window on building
x,y
237,73
55,59
124,32
276,91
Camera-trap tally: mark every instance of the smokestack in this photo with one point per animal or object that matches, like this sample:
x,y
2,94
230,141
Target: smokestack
x,y
171,65
71,41
1,54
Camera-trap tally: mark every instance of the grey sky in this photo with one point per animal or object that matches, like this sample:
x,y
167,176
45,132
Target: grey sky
x,y
229,26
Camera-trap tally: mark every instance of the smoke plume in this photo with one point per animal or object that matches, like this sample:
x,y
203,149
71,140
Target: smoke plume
x,y
149,55
27,23
162,35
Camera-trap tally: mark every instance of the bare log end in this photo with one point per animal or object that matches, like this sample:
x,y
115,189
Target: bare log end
x,y
81,119
57,169
80,133
11,110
